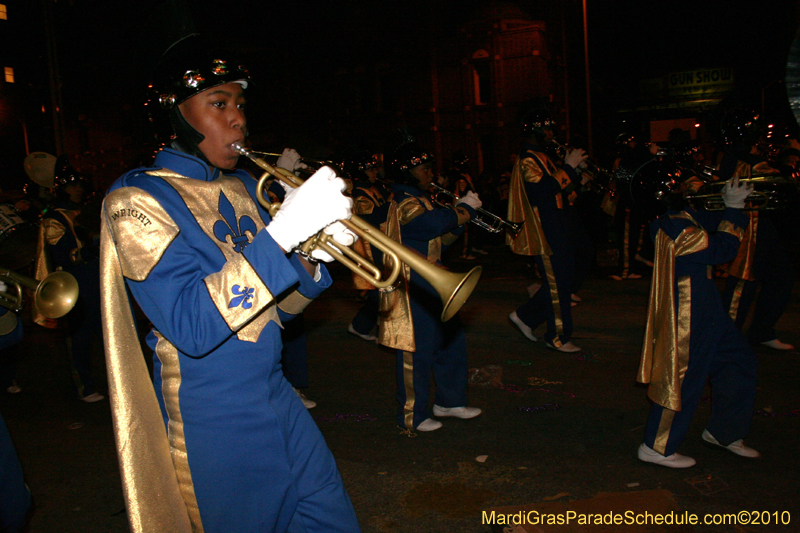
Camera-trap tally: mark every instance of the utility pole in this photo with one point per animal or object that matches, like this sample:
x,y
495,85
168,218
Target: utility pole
x,y
588,85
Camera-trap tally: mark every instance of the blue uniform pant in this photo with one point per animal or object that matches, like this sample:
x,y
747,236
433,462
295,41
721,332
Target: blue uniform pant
x,y
730,365
771,290
367,317
552,303
441,351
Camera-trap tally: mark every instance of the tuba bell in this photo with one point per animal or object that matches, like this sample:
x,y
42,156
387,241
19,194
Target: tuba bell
x,y
54,296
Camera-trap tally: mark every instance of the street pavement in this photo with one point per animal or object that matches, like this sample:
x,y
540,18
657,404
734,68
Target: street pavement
x,y
559,432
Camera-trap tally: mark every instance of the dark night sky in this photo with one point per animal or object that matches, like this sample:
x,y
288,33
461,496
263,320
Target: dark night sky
x,y
105,47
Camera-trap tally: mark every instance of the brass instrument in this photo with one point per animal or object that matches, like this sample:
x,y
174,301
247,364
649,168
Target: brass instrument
x,y
54,296
313,164
770,192
593,168
486,220
453,288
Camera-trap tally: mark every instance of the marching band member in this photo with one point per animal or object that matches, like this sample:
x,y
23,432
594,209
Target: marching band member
x,y
218,441
761,271
538,196
689,338
410,315
371,199
66,244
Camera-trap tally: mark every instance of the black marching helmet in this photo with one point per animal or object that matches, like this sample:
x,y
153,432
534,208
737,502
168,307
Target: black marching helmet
x,y
65,175
656,186
407,155
356,162
535,121
741,125
188,67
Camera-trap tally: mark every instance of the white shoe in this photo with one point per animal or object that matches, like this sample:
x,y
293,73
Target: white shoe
x,y
367,337
309,404
776,344
676,460
736,447
567,347
522,326
14,388
458,412
576,298
429,424
94,397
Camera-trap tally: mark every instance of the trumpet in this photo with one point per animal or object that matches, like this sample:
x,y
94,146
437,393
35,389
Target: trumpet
x,y
486,220
453,289
54,296
770,192
313,164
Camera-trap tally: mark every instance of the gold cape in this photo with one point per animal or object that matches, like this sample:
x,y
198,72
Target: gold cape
x,y
149,482
665,353
530,240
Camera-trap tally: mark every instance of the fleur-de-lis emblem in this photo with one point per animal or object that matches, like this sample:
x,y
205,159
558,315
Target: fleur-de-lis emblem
x,y
242,296
229,227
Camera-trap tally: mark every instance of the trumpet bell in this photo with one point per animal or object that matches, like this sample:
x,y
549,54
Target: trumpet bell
x,y
56,294
455,289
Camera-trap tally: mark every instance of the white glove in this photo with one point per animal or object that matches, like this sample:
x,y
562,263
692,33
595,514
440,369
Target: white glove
x,y
735,193
3,286
575,157
290,160
338,233
309,208
471,199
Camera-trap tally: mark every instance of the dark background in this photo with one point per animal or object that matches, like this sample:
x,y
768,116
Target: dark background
x,y
99,53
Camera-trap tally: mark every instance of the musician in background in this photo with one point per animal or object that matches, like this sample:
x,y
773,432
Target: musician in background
x,y
410,315
371,199
689,338
761,272
629,221
67,242
217,441
539,196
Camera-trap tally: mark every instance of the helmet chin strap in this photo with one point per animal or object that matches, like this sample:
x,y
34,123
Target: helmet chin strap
x,y
187,139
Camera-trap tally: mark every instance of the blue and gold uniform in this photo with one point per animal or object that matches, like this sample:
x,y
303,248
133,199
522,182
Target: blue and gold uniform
x,y
371,203
190,245
539,196
689,337
410,315
762,271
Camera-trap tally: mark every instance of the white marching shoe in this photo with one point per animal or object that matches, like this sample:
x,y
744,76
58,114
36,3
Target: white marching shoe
x,y
736,446
457,412
429,424
522,326
676,460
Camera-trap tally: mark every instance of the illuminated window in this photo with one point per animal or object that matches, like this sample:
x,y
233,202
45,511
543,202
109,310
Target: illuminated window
x,y
9,75
3,12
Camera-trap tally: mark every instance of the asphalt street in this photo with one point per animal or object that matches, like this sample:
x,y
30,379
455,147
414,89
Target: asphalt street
x,y
558,434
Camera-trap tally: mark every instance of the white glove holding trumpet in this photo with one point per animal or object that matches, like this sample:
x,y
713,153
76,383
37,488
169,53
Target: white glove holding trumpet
x,y
736,193
471,199
308,209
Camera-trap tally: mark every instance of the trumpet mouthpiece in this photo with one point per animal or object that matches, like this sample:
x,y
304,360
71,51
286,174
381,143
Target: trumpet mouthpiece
x,y
239,148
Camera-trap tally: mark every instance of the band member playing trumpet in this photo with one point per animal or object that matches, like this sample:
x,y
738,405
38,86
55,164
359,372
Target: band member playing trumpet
x,y
218,441
761,271
410,315
539,196
689,339
371,198
65,243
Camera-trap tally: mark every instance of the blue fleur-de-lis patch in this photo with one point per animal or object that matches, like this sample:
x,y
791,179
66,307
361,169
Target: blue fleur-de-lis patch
x,y
242,296
230,227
